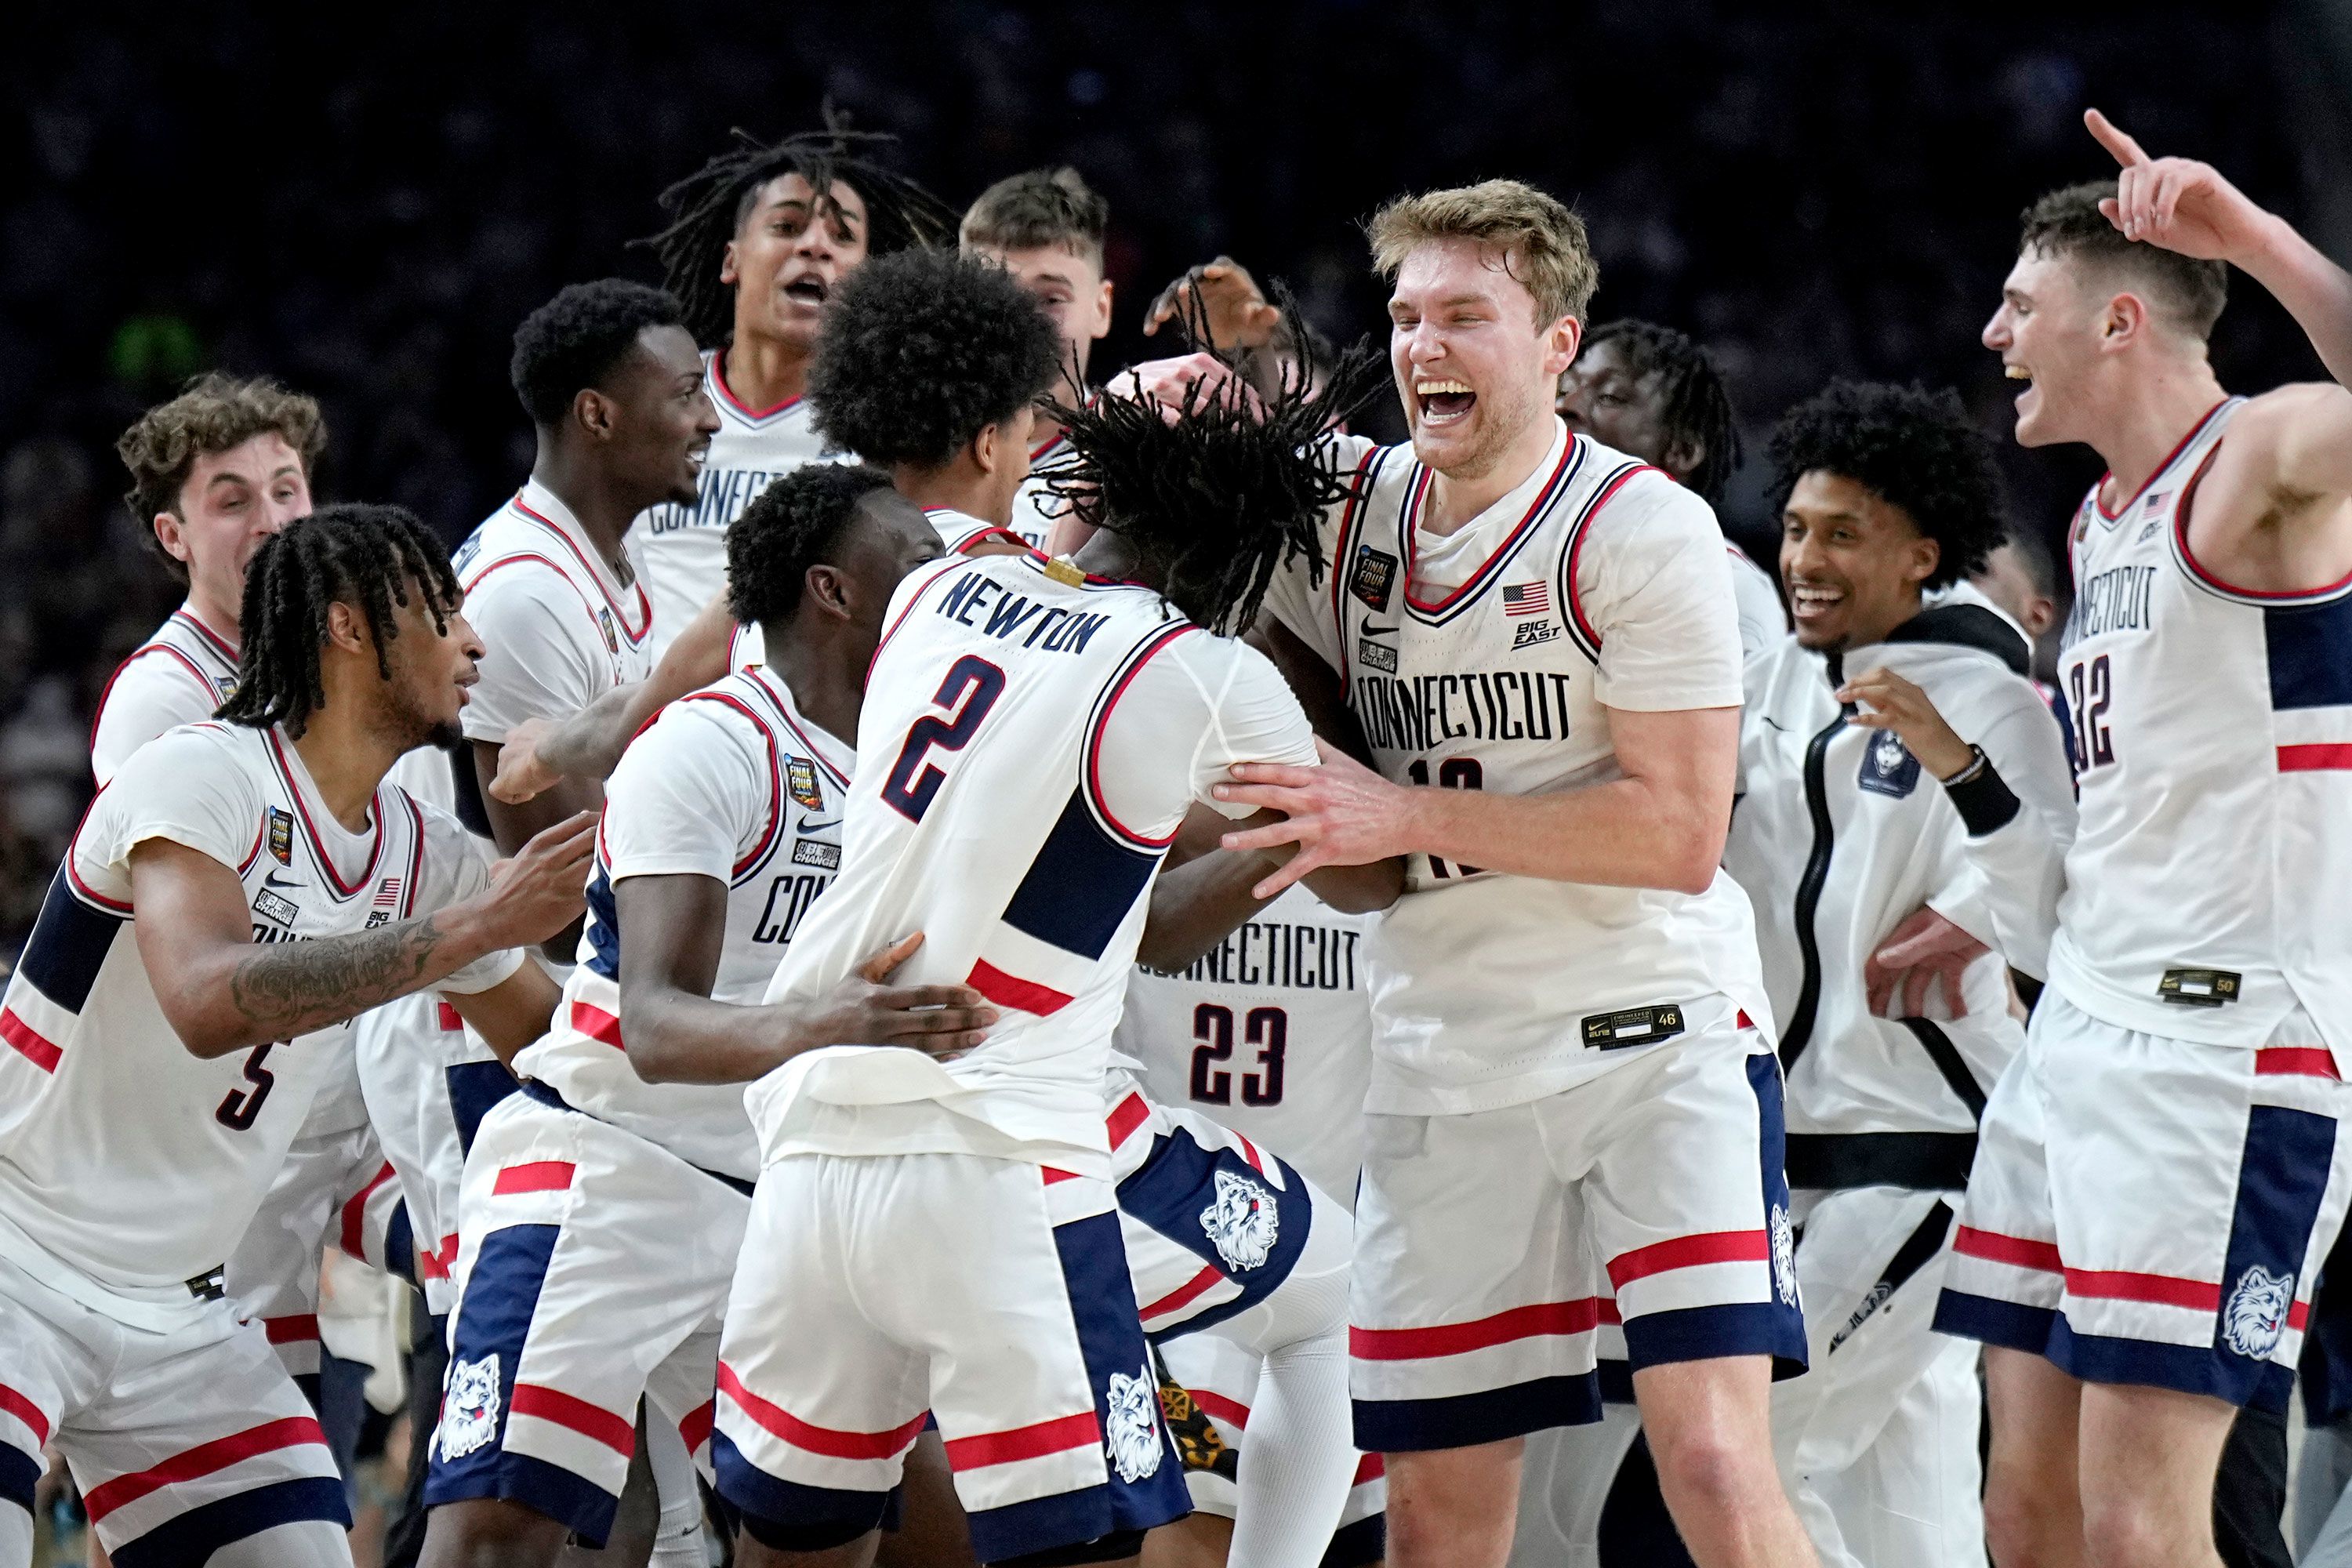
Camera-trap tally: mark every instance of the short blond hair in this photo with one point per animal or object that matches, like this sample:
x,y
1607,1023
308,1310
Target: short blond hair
x,y
1542,243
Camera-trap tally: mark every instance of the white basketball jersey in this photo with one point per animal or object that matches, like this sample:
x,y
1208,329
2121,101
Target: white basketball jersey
x,y
2213,744
176,676
1598,582
682,549
1036,507
730,782
1029,742
123,1154
558,629
1270,1033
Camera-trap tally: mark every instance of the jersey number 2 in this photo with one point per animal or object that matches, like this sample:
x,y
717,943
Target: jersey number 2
x,y
1268,1028
971,690
240,1106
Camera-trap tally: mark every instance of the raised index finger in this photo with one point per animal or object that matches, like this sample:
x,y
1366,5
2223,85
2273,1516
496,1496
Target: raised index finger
x,y
2112,136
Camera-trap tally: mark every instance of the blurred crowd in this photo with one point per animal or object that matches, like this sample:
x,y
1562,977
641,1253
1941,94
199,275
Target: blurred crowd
x,y
365,209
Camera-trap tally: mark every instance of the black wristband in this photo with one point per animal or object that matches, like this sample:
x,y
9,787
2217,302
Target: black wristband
x,y
1984,800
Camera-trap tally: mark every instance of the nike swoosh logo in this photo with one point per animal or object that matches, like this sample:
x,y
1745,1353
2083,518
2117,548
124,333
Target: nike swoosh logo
x,y
808,826
271,881
1366,629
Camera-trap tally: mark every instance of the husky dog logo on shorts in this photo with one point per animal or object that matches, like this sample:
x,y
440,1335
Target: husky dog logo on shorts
x,y
1242,1223
1784,1257
469,1410
1131,1438
2256,1313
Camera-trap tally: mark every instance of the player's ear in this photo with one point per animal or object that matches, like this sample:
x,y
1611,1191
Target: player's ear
x,y
592,411
1564,338
1925,556
727,271
828,588
986,446
169,534
2125,321
1684,454
1101,327
347,628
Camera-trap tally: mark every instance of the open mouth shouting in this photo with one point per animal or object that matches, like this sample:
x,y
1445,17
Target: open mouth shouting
x,y
1444,402
809,288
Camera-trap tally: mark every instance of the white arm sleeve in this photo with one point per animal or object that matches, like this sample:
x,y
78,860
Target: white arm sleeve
x,y
1653,583
685,799
154,691
543,656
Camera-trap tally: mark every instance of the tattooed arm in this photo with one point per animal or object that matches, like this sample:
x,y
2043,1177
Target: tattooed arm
x,y
224,992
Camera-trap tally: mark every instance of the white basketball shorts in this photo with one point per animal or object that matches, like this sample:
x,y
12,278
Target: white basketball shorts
x,y
1489,1244
992,1293
181,1441
2153,1210
335,1187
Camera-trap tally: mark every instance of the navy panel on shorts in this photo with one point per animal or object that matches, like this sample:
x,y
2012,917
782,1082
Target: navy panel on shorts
x,y
196,1536
1177,1182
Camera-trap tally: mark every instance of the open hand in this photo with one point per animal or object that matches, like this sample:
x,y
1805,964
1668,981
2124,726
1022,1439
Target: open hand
x,y
1339,814
2176,202
1888,702
1169,382
1235,311
1923,950
942,1021
543,888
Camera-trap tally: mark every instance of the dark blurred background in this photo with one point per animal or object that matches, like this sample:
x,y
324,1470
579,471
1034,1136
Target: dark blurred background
x,y
365,209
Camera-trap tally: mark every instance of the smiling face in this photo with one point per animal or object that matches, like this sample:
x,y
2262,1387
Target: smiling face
x,y
789,252
660,417
1073,291
228,504
2051,334
1852,562
1474,368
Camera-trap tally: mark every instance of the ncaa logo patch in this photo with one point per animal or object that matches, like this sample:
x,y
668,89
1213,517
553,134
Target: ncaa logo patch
x,y
1887,766
1374,576
1131,1434
1784,1257
469,1407
1241,1224
2255,1314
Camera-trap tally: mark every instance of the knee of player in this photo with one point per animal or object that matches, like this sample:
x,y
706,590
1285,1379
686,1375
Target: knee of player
x,y
1710,1466
2027,1526
2125,1527
489,1532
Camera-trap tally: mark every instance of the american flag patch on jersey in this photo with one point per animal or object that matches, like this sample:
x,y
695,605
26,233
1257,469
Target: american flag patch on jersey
x,y
387,893
1526,599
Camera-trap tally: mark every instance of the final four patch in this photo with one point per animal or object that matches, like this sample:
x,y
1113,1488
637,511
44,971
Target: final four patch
x,y
612,637
281,836
800,779
1374,576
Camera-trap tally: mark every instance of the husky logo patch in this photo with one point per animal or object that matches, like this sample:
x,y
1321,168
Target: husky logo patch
x,y
1887,766
1242,1223
1131,1434
469,1407
1784,1257
2255,1314
1374,576
800,782
281,836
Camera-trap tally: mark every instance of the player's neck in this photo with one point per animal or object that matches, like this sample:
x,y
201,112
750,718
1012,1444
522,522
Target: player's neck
x,y
763,374
825,676
346,753
208,612
1459,498
958,485
589,496
2147,424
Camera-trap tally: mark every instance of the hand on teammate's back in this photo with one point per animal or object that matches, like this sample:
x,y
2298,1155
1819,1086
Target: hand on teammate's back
x,y
865,1009
2176,202
543,886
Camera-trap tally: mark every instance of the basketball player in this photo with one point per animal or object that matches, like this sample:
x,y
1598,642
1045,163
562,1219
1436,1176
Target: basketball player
x,y
2159,1177
1569,986
1000,677
1895,760
1651,391
605,1204
1046,228
237,894
760,238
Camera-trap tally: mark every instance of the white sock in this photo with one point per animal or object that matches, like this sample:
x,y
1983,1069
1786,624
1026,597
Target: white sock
x,y
1300,1455
678,1540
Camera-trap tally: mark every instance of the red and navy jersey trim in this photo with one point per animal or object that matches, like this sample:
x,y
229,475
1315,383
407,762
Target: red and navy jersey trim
x,y
1343,546
1571,462
1581,628
2215,585
2099,507
765,845
222,649
337,888
729,404
1095,722
767,686
620,612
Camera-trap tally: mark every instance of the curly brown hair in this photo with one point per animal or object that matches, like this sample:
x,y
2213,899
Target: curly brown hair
x,y
213,414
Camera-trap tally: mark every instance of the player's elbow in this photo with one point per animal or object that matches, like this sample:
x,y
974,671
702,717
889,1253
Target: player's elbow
x,y
1694,853
1359,889
648,1041
210,1032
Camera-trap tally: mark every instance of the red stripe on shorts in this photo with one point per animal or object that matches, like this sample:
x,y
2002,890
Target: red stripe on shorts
x,y
1125,1116
826,1440
1053,1175
1368,1467
1689,1252
355,1214
597,1024
615,1432
1012,991
695,1430
1055,1437
2301,1061
25,1410
1184,1294
539,1176
292,1329
1458,1338
203,1460
2160,1290
1231,1411
1995,1248
2321,757
29,1042
447,1017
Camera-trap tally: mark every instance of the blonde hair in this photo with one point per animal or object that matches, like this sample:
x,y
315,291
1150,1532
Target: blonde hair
x,y
1541,242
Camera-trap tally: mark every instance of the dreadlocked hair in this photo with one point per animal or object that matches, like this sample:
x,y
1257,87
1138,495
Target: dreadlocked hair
x,y
370,556
708,207
795,523
1220,489
1693,407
